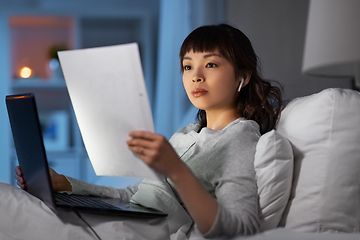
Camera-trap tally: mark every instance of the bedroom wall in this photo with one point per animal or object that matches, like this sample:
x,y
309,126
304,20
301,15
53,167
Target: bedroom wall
x,y
277,31
4,89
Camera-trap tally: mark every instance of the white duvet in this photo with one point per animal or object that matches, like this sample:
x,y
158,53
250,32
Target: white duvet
x,y
26,217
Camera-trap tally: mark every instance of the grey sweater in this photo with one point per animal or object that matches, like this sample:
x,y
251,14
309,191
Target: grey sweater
x,y
222,160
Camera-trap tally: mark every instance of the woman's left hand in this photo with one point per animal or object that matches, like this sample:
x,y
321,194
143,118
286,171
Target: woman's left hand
x,y
155,151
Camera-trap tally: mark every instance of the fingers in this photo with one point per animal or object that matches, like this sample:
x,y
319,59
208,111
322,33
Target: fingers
x,y
141,141
138,146
18,170
140,151
19,177
145,138
154,150
22,186
145,144
144,135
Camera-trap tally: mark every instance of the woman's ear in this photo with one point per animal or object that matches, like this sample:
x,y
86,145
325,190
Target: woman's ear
x,y
245,79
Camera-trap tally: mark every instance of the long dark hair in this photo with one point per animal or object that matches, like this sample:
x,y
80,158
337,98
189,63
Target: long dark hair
x,y
258,100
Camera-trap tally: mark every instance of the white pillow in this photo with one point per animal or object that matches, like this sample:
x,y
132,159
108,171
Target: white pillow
x,y
274,173
324,131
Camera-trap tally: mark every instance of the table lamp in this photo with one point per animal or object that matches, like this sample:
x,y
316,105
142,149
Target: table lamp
x,y
332,44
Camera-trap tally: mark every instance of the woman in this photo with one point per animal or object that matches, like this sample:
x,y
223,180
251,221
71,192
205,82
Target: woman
x,y
209,165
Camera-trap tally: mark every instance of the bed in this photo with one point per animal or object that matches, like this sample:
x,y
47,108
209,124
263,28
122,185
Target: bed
x,y
308,175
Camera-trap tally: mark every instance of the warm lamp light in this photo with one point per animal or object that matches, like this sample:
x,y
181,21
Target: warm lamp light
x,y
25,72
332,45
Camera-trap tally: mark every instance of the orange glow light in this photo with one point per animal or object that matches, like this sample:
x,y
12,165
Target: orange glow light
x,y
25,72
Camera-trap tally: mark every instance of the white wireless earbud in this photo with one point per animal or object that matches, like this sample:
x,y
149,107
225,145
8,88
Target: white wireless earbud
x,y
242,81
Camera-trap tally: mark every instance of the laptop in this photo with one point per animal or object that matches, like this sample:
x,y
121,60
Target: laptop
x,y
32,159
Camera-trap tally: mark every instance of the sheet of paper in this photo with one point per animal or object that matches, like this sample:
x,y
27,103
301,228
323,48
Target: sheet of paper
x,y
107,90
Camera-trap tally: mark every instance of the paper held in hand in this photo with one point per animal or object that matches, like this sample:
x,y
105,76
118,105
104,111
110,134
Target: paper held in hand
x,y
107,90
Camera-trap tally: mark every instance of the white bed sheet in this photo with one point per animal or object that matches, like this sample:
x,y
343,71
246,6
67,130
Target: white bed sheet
x,y
287,234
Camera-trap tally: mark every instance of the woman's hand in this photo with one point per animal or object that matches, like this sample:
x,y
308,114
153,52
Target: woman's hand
x,y
19,177
59,182
155,151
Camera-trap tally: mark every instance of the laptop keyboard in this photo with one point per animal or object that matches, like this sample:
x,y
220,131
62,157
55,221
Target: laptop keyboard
x,y
81,201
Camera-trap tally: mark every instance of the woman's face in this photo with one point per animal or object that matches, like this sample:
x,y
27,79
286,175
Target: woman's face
x,y
209,80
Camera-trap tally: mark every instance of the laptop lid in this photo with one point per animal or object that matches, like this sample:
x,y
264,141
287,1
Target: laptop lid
x,y
29,146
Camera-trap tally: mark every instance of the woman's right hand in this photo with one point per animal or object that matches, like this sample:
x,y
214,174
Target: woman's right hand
x,y
19,177
59,182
